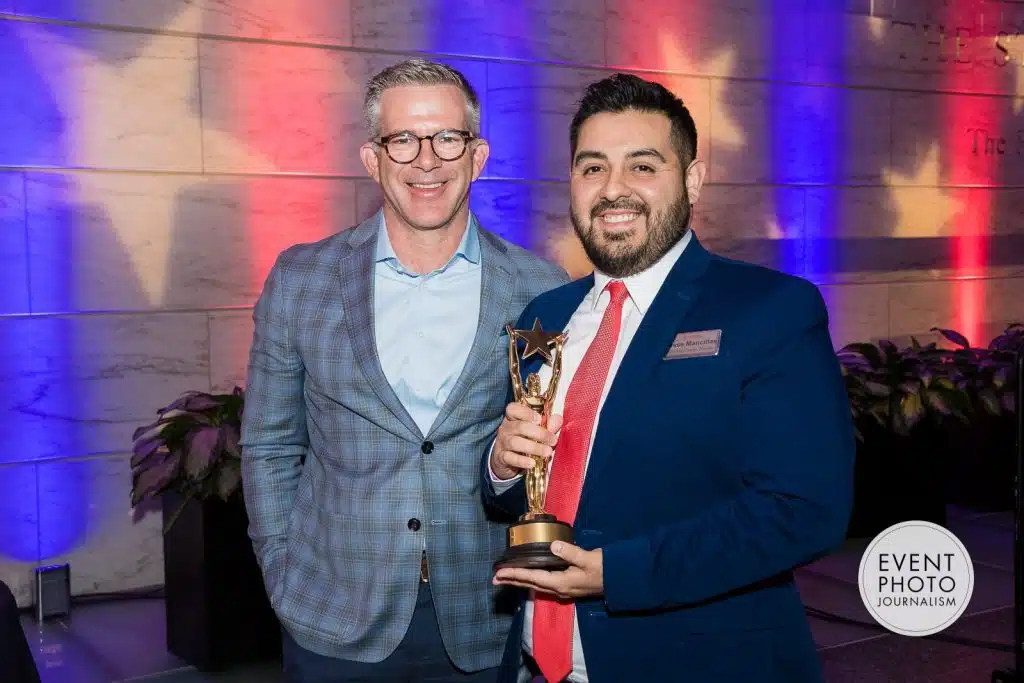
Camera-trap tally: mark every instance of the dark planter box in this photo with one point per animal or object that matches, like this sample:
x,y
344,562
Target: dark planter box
x,y
983,463
218,614
897,479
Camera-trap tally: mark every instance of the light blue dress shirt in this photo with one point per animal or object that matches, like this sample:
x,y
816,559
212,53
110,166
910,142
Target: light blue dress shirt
x,y
425,324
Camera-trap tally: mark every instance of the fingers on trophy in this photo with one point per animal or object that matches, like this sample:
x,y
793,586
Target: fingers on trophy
x,y
530,538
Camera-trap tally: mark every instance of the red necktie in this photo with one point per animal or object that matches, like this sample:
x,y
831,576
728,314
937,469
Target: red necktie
x,y
553,618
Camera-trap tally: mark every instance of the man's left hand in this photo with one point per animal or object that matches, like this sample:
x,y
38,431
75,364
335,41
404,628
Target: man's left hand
x,y
584,577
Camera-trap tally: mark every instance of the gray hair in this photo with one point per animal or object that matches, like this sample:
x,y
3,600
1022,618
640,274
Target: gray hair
x,y
418,72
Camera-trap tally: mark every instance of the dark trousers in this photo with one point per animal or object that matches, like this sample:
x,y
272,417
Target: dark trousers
x,y
420,658
16,664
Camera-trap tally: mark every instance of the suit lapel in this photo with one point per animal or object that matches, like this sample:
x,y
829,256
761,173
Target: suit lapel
x,y
498,289
652,340
357,278
556,315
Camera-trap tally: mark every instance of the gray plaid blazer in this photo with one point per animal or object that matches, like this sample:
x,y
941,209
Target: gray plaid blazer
x,y
334,467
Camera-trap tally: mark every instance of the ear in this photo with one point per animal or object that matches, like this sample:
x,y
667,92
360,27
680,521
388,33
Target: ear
x,y
695,175
368,153
481,151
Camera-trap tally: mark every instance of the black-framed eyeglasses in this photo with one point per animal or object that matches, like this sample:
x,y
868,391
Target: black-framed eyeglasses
x,y
404,147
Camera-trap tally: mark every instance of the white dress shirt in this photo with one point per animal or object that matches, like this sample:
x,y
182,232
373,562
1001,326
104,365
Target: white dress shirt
x,y
581,330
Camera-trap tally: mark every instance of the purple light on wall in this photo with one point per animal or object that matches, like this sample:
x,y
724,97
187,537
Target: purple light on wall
x,y
39,410
806,124
508,93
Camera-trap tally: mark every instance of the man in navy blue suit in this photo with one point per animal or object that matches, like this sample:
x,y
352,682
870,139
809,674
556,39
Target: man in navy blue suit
x,y
700,440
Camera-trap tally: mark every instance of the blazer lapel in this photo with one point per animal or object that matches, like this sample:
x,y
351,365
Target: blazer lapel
x,y
556,316
498,289
653,338
357,277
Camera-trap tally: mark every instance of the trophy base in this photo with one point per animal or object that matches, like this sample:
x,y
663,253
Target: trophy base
x,y
529,543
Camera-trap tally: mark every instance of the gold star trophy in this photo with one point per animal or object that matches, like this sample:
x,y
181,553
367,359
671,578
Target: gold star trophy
x,y
529,539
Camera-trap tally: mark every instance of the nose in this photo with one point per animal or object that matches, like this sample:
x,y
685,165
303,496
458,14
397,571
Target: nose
x,y
615,186
426,160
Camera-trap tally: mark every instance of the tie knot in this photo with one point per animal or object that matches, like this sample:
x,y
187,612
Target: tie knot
x,y
617,290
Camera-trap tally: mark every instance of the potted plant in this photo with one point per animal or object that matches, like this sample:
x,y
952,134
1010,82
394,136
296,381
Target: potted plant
x,y
900,401
981,452
189,460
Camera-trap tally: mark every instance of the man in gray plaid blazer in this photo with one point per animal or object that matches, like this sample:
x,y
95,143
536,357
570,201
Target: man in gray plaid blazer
x,y
377,379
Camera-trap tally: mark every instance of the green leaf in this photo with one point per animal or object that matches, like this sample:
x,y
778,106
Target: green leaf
x,y
954,337
868,352
192,447
937,402
204,447
912,408
231,438
877,388
989,401
144,448
156,477
229,478
910,386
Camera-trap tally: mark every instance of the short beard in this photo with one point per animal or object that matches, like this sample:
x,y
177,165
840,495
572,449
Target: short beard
x,y
664,230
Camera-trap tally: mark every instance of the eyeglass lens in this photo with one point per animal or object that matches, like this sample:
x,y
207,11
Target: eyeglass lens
x,y
447,145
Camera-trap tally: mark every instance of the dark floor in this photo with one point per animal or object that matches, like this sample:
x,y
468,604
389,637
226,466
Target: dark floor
x,y
124,641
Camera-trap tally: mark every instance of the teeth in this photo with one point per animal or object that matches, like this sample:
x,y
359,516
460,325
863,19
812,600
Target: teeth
x,y
620,218
426,186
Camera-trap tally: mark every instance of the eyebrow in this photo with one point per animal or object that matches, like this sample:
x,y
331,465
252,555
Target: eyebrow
x,y
587,154
600,156
646,152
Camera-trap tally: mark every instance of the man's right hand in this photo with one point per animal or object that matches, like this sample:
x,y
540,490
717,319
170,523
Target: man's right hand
x,y
520,438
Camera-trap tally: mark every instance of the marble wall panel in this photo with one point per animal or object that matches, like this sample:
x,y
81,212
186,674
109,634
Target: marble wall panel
x,y
945,139
758,224
369,198
85,519
750,39
775,133
538,30
19,528
230,341
270,108
909,232
988,304
973,46
83,97
13,254
79,385
857,313
285,20
531,108
535,216
138,242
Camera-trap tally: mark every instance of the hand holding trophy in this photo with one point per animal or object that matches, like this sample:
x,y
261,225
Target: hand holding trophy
x,y
529,539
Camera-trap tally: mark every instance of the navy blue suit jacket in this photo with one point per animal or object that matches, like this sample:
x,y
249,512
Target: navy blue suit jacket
x,y
710,479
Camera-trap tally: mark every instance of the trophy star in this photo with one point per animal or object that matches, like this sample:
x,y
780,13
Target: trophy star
x,y
537,340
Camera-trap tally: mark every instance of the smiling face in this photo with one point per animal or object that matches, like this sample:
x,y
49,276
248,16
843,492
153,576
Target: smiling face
x,y
630,191
428,193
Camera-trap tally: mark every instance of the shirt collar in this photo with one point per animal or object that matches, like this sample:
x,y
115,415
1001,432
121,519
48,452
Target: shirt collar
x,y
644,286
468,249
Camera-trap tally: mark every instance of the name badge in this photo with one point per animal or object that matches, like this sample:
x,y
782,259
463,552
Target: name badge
x,y
695,344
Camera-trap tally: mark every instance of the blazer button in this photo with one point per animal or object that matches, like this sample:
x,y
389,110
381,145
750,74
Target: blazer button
x,y
427,448
414,524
